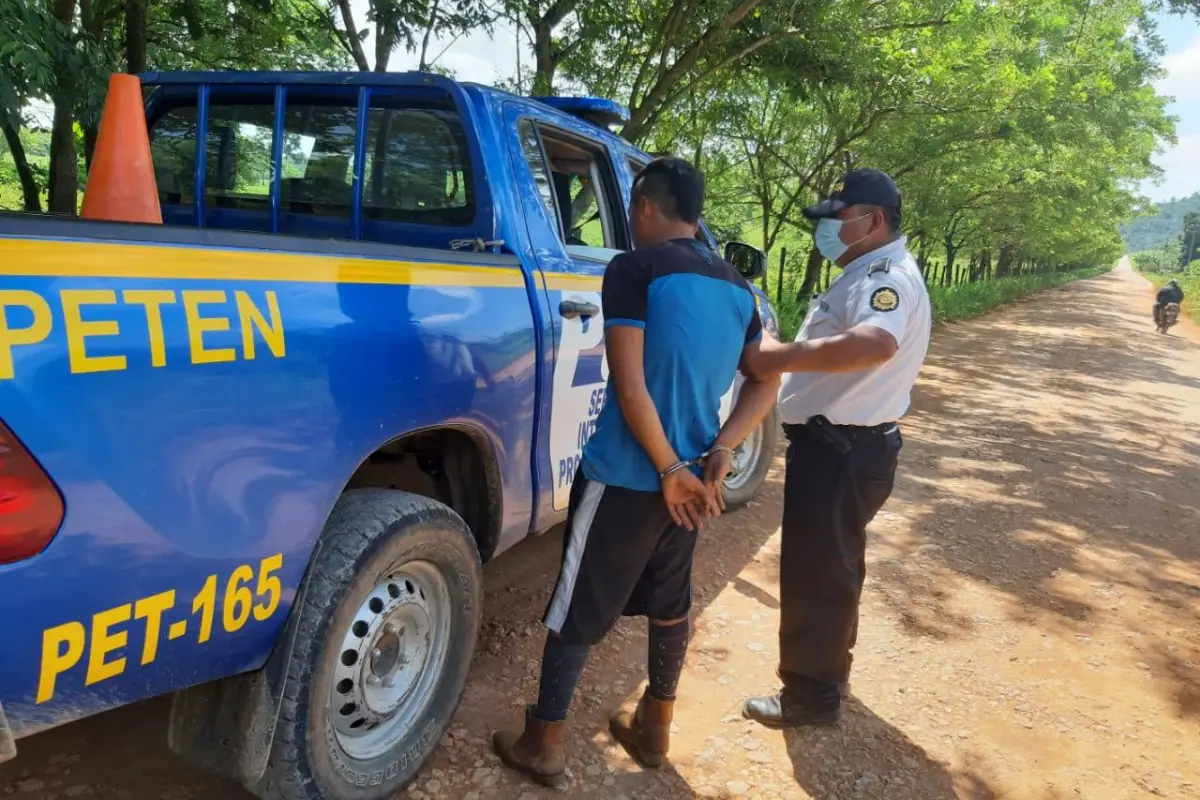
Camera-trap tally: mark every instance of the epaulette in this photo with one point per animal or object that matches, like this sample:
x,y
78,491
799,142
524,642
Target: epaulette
x,y
883,265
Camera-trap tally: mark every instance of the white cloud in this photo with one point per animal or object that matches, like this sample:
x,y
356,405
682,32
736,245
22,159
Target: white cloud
x,y
41,113
1181,165
475,58
1183,74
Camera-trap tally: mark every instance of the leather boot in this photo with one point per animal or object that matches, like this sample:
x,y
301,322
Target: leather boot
x,y
537,751
779,713
646,732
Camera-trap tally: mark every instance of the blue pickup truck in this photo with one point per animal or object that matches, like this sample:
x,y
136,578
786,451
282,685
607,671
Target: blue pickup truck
x,y
257,456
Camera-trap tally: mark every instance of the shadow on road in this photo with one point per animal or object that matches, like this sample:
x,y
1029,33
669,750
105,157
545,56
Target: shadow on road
x,y
1073,446
861,731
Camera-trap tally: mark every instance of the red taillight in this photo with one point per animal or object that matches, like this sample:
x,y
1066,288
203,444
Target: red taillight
x,y
31,509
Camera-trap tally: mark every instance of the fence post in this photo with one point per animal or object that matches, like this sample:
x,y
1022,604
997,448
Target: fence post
x,y
779,277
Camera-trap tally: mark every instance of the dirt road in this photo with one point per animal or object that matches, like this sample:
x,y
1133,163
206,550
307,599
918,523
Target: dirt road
x,y
1031,623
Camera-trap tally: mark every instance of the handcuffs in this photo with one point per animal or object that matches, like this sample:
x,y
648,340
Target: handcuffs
x,y
698,461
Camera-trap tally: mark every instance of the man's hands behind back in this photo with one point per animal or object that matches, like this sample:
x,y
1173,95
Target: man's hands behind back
x,y
716,469
688,500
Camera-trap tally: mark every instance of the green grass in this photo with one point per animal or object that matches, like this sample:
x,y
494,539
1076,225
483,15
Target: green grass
x,y
953,303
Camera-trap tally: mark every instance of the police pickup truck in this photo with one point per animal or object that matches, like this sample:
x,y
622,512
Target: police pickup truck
x,y
257,455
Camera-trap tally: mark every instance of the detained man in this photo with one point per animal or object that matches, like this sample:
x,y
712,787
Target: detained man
x,y
678,321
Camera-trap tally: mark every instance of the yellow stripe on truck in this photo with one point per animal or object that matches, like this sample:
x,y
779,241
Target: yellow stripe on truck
x,y
99,259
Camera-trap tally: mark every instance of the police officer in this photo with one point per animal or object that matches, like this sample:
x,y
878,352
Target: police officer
x,y
848,378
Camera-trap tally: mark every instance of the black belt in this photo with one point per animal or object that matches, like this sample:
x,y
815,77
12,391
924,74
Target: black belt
x,y
841,437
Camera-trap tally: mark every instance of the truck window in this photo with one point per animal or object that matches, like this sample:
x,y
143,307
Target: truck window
x,y
531,146
417,167
576,182
173,149
238,165
317,175
238,161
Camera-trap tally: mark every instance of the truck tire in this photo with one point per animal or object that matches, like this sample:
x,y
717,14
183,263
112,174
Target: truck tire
x,y
383,647
751,462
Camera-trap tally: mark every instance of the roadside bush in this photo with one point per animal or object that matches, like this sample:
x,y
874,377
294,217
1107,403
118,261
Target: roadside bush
x,y
963,301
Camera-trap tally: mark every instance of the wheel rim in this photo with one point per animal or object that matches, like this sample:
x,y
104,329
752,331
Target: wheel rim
x,y
390,660
745,457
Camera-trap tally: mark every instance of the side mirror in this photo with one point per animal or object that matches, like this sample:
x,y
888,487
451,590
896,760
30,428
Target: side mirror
x,y
750,262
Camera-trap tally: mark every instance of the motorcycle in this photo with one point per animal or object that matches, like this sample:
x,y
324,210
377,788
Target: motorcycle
x,y
1168,317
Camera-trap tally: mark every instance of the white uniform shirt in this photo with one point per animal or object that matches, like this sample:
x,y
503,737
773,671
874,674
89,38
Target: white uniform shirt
x,y
883,288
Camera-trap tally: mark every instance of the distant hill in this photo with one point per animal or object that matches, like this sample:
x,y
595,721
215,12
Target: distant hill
x,y
1146,232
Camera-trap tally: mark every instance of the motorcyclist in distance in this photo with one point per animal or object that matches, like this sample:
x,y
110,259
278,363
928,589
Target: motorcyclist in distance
x,y
1170,293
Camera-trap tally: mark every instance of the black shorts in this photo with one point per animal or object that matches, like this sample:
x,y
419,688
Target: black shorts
x,y
622,556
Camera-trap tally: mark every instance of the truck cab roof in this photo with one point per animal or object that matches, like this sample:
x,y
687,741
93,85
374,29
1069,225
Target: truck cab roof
x,y
599,111
400,157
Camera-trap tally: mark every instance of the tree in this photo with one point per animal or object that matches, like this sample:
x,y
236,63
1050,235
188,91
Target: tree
x,y
410,23
64,50
1017,129
1189,239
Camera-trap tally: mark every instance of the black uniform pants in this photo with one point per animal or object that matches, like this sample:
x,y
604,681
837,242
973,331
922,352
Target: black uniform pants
x,y
829,498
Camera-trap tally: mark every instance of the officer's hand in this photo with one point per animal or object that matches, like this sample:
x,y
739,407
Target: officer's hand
x,y
687,499
716,469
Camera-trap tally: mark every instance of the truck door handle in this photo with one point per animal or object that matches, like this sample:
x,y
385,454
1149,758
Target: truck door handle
x,y
573,309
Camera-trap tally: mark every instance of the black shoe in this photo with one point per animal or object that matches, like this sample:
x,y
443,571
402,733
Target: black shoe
x,y
773,712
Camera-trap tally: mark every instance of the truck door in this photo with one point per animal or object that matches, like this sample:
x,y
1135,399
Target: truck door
x,y
576,222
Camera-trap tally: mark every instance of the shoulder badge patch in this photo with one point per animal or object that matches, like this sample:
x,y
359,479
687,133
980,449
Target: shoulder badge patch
x,y
885,299
879,265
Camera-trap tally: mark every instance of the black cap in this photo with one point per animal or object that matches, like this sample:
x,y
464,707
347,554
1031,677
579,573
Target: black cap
x,y
871,187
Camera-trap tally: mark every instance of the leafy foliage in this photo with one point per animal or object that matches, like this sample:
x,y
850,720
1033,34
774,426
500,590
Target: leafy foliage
x,y
1158,260
1017,129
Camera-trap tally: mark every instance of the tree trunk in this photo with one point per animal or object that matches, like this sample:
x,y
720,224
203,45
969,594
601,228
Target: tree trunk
x,y
921,254
812,274
92,20
424,64
352,40
64,160
135,36
30,191
948,272
1004,264
543,53
385,43
828,272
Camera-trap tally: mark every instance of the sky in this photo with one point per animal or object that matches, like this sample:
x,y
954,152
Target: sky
x,y
1181,162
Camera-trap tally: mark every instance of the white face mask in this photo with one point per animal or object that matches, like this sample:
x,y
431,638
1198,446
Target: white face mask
x,y
829,239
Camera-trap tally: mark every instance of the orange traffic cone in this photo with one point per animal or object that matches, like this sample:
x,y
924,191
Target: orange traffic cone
x,y
121,185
